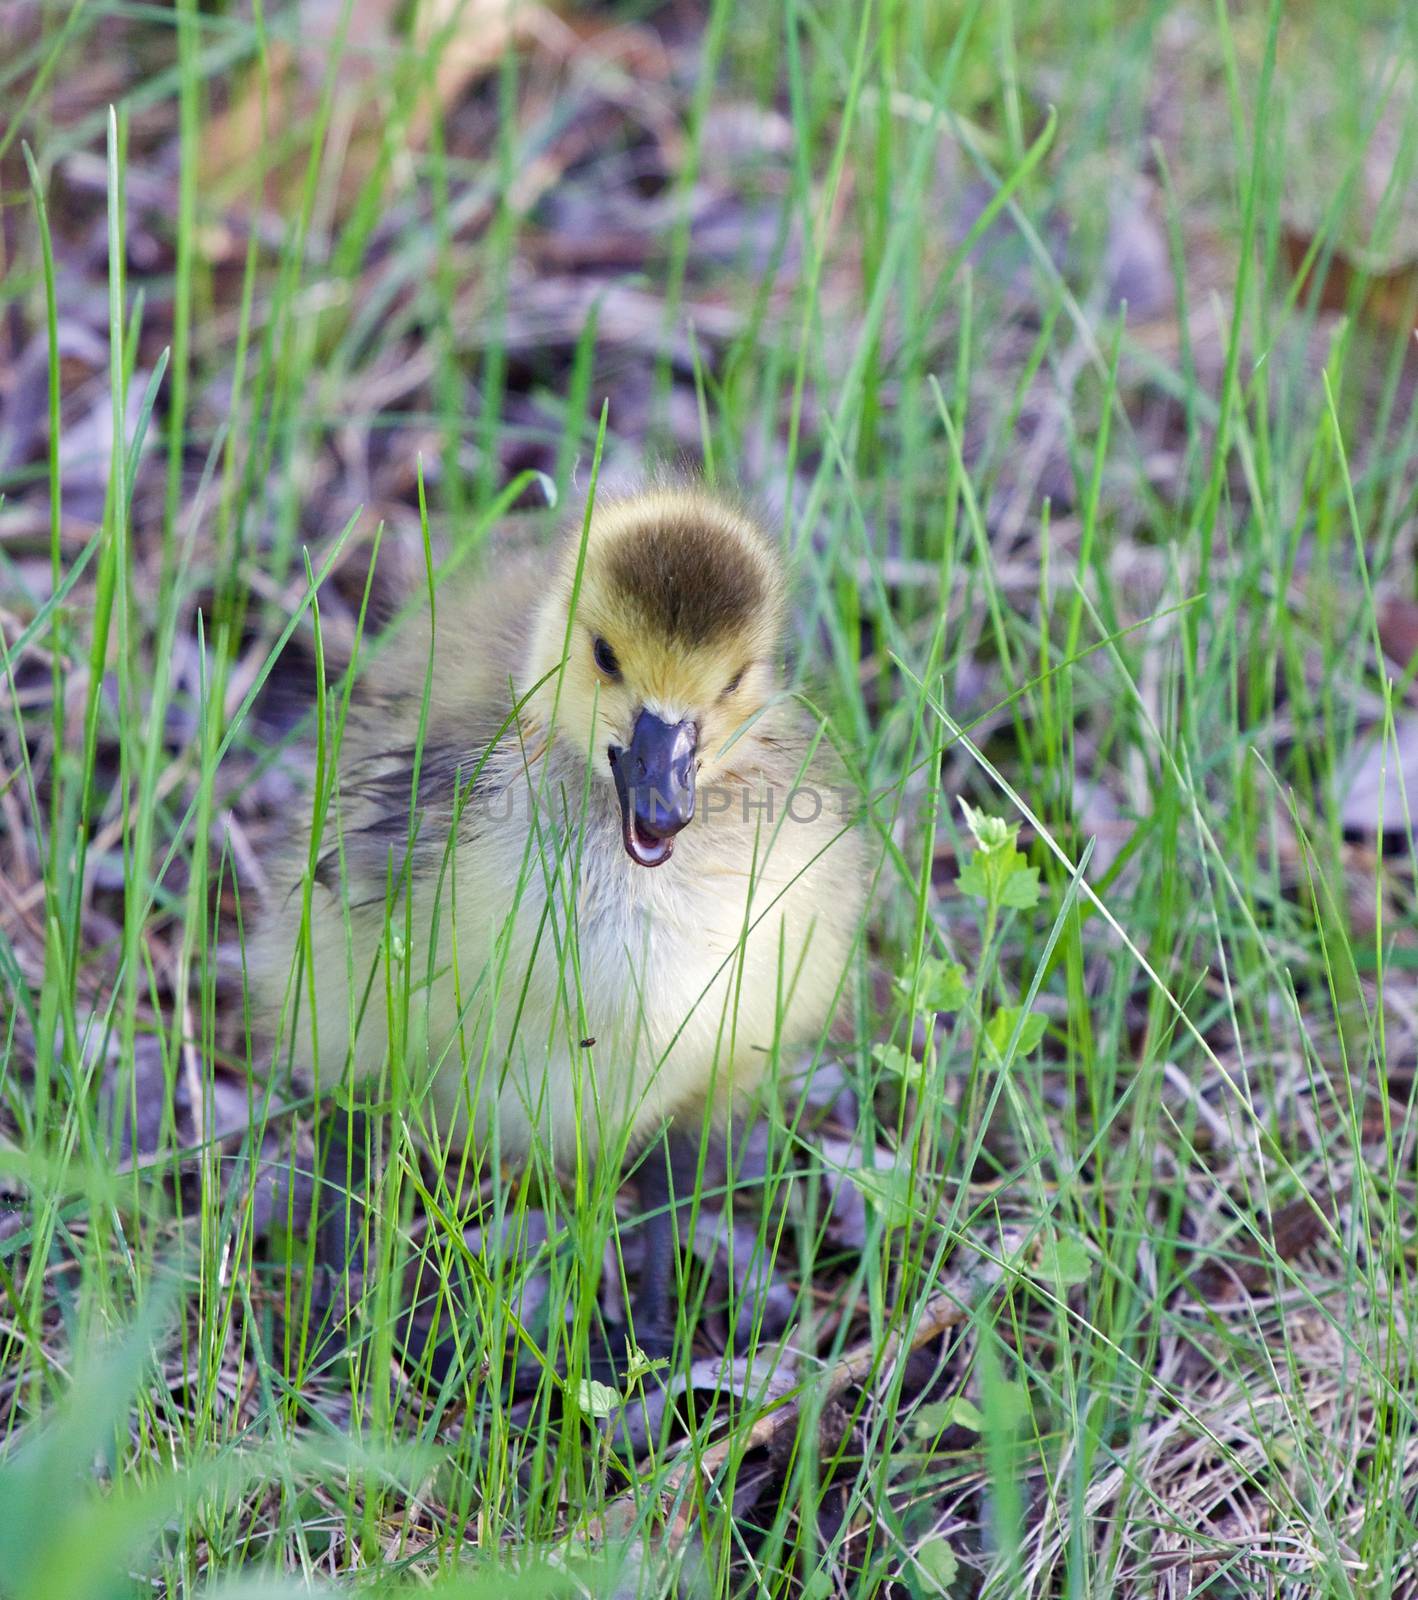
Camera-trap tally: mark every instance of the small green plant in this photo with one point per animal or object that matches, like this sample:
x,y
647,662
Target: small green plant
x,y
997,874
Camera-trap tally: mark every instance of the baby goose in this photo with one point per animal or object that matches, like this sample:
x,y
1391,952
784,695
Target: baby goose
x,y
629,880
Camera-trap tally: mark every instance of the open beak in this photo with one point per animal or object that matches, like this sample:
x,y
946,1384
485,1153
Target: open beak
x,y
654,780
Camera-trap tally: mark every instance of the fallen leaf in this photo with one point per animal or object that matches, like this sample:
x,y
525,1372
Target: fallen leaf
x,y
1380,786
1387,296
1294,1227
1136,262
468,38
1398,629
465,39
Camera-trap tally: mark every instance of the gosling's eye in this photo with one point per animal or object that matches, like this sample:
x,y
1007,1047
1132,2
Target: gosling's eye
x,y
605,658
732,684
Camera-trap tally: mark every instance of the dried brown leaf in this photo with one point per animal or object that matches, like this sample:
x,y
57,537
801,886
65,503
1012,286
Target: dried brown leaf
x,y
1386,296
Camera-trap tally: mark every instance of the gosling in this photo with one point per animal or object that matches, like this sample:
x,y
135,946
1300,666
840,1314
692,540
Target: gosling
x,y
611,884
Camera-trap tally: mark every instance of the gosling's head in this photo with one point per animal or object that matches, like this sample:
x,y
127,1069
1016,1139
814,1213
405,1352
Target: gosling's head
x,y
670,650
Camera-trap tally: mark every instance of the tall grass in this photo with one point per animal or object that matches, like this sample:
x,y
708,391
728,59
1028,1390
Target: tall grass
x,y
1118,580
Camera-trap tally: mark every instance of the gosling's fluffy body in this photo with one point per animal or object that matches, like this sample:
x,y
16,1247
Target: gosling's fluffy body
x,y
678,982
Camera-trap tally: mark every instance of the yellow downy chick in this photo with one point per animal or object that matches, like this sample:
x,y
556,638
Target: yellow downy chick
x,y
631,874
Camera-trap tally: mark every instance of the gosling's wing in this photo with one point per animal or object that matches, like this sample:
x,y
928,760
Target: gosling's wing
x,y
466,648
408,768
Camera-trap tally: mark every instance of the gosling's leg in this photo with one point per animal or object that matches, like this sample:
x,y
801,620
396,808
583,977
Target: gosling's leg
x,y
668,1177
342,1180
